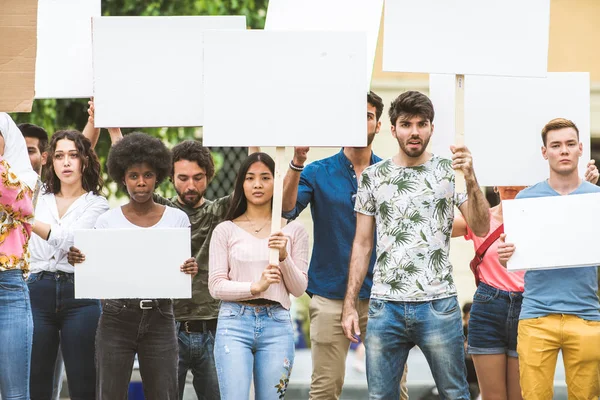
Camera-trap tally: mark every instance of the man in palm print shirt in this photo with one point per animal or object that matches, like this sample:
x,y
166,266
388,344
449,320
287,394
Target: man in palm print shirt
x,y
410,198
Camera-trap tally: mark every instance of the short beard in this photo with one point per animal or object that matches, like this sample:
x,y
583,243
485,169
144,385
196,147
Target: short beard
x,y
190,203
414,153
370,138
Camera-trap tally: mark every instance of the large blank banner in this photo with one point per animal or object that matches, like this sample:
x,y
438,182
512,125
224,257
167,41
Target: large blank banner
x,y
504,118
503,38
133,263
553,232
18,27
329,15
267,88
148,71
64,52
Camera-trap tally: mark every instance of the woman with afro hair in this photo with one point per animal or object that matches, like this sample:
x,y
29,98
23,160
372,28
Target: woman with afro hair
x,y
138,163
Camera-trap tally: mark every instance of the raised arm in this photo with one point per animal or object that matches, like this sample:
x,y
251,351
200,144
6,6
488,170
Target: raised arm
x,y
459,226
476,209
292,179
90,131
359,265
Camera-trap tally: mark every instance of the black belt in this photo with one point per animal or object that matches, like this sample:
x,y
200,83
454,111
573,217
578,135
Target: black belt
x,y
143,304
259,302
198,326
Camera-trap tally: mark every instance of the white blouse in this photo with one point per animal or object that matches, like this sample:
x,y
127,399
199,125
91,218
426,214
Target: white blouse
x,y
51,255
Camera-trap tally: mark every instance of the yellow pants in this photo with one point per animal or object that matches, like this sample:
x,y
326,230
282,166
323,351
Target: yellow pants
x,y
539,341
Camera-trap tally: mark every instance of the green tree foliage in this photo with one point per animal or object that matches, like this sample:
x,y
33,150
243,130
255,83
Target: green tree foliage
x,y
58,114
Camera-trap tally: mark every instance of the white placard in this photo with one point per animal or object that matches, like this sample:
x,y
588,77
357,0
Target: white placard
x,y
502,38
64,48
133,263
329,15
552,232
504,118
267,88
148,71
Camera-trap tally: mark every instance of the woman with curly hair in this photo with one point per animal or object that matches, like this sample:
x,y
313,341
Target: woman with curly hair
x,y
71,200
255,337
138,163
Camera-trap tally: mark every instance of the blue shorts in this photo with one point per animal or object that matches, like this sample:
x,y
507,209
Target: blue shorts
x,y
494,321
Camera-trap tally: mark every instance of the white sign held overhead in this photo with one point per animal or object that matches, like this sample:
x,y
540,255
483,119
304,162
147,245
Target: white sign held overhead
x,y
266,88
504,118
148,71
329,15
133,263
64,48
467,37
542,229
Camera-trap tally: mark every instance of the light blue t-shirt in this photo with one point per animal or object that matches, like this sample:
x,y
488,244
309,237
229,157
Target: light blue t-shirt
x,y
563,290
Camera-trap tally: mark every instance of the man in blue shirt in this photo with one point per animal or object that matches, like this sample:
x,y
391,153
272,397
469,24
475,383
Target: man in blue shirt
x,y
329,186
560,308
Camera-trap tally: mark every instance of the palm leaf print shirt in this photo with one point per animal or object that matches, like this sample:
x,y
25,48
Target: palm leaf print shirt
x,y
413,209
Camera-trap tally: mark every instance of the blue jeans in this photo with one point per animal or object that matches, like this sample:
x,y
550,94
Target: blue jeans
x,y
196,352
255,341
60,318
395,327
16,333
494,321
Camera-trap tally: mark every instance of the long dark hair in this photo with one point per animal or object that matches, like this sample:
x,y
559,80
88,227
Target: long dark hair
x,y
91,176
239,203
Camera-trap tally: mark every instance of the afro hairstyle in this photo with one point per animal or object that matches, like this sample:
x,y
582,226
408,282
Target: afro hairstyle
x,y
137,148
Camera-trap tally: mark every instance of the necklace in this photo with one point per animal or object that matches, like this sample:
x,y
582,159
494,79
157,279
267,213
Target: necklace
x,y
254,226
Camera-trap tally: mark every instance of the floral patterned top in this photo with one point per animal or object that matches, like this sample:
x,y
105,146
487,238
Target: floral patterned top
x,y
414,210
16,217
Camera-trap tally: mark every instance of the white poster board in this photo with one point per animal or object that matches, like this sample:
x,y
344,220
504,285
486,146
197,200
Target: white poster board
x,y
503,38
552,232
329,15
148,71
133,263
504,118
64,52
267,88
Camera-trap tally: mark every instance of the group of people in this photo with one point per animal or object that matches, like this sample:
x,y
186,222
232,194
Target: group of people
x,y
379,271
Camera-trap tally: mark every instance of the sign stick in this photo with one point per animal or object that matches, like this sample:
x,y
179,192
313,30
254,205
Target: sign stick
x,y
277,200
459,127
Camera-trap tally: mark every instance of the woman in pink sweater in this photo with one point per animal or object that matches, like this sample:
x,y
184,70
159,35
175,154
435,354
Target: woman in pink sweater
x,y
255,337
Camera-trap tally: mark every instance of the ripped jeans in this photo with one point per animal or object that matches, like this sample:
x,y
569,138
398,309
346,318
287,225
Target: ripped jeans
x,y
253,342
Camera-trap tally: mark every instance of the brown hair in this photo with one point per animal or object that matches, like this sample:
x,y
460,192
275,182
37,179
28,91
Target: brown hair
x,y
91,177
556,124
411,104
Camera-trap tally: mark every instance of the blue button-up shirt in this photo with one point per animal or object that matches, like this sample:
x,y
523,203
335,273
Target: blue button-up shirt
x,y
330,186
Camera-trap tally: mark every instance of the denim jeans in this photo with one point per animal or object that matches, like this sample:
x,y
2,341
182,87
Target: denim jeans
x,y
254,341
395,327
60,318
196,352
126,329
16,333
494,321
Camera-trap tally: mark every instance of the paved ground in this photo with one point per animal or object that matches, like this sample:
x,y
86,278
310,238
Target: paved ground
x,y
420,380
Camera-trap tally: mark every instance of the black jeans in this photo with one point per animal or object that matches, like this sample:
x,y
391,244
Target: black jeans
x,y
60,318
126,329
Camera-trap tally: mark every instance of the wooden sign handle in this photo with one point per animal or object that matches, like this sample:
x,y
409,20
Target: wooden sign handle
x,y
459,127
280,165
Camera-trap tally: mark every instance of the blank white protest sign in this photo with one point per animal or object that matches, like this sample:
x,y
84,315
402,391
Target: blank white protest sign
x,y
502,38
275,88
64,48
553,232
329,15
504,118
148,71
133,263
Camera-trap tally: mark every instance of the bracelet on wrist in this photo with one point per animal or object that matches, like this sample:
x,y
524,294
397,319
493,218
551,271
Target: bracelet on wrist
x,y
295,167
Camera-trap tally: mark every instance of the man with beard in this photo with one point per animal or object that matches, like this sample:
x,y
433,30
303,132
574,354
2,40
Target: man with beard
x,y
410,199
329,186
